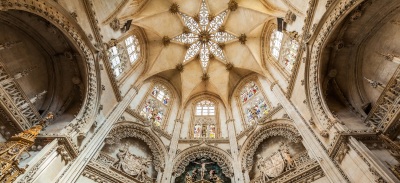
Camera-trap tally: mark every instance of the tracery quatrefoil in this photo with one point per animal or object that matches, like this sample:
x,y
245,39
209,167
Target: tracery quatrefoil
x,y
204,36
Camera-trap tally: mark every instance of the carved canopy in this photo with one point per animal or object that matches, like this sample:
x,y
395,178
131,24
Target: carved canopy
x,y
283,128
131,129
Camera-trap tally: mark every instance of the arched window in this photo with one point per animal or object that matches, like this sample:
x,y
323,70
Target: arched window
x,y
276,43
133,48
156,105
284,49
205,120
124,55
253,103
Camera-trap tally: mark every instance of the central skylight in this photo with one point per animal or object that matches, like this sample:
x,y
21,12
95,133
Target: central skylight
x,y
205,36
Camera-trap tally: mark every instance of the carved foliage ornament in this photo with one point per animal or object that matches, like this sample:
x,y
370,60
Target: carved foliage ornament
x,y
283,129
134,130
192,154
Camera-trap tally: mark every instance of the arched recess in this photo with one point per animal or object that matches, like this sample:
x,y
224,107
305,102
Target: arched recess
x,y
223,159
131,129
283,128
315,74
57,16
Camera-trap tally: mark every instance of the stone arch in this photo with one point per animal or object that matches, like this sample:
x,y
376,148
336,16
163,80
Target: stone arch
x,y
52,12
283,128
223,159
132,129
319,41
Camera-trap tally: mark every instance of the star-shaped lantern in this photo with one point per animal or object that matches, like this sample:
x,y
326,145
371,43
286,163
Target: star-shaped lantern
x,y
204,36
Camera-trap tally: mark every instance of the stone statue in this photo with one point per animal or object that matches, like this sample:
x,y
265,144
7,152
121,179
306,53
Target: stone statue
x,y
215,177
203,167
286,155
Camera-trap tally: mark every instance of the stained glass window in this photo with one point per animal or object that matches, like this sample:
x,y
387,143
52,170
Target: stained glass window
x,y
253,103
156,104
289,54
249,90
276,42
133,48
205,120
116,64
161,94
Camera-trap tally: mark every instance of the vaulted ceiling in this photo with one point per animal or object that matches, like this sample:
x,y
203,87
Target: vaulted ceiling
x,y
159,22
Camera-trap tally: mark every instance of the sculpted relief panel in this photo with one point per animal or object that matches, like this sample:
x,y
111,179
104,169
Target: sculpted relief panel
x,y
275,156
131,156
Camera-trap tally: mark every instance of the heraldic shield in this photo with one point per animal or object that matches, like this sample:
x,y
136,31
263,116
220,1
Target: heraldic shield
x,y
274,166
134,165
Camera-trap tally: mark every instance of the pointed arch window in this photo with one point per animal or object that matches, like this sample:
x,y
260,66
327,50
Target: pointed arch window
x,y
254,105
124,55
156,105
205,120
284,49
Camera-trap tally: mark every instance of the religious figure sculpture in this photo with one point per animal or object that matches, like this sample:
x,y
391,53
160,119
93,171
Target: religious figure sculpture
x,y
203,167
286,155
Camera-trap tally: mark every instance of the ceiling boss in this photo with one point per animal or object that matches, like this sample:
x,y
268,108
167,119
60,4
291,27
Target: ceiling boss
x,y
204,34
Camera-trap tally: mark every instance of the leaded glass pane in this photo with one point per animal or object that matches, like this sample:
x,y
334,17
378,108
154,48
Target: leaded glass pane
x,y
248,91
289,55
153,111
275,44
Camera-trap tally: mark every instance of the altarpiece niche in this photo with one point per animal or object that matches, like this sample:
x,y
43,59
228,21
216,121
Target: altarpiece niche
x,y
202,170
130,156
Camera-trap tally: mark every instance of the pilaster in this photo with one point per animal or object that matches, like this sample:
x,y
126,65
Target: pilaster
x,y
75,169
234,151
167,175
310,141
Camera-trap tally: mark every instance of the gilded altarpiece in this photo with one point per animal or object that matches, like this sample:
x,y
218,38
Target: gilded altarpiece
x,y
202,170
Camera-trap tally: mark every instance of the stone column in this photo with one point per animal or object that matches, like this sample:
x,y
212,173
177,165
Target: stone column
x,y
314,147
159,176
246,176
237,166
75,169
173,146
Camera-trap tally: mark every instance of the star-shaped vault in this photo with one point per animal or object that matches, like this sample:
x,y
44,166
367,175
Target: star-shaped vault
x,y
204,36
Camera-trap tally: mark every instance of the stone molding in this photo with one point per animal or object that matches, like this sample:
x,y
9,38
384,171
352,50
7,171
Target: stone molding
x,y
130,129
203,151
282,128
